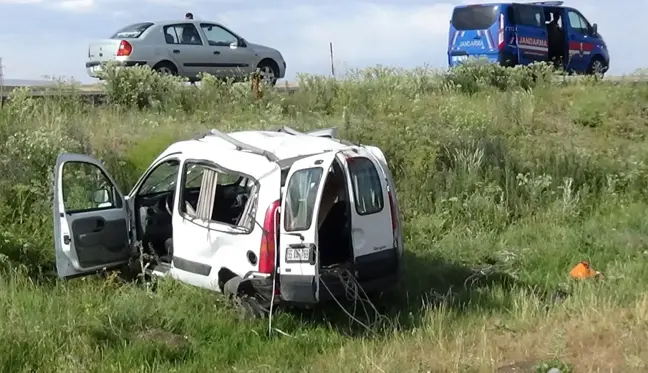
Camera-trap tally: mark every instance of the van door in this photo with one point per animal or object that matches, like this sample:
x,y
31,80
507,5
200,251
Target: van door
x,y
473,33
91,218
393,198
298,256
580,40
375,246
531,33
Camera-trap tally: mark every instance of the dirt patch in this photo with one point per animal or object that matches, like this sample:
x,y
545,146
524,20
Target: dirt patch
x,y
171,340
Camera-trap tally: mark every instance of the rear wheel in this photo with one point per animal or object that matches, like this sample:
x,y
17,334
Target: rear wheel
x,y
166,68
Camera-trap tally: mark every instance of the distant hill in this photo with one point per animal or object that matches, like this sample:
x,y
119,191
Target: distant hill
x,y
27,82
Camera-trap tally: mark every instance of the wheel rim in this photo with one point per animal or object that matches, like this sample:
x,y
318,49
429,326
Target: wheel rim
x,y
597,68
267,75
165,70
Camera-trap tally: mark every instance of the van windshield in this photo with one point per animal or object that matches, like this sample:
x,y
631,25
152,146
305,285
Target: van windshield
x,y
474,17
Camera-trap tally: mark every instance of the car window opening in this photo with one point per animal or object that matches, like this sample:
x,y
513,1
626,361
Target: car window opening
x,y
217,196
333,215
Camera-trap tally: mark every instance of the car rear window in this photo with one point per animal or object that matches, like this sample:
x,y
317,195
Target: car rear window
x,y
474,17
133,31
367,189
300,197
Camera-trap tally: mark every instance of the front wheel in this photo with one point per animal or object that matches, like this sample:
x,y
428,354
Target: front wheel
x,y
268,73
597,68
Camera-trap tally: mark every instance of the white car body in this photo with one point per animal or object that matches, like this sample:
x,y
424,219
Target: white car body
x,y
278,233
185,48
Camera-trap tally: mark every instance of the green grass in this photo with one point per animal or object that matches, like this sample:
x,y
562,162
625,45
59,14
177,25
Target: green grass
x,y
505,181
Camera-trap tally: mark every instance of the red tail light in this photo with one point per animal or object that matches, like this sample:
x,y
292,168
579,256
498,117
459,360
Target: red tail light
x,y
500,34
125,49
392,210
268,250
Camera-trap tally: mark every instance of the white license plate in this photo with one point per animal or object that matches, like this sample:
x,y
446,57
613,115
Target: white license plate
x,y
297,255
96,68
459,58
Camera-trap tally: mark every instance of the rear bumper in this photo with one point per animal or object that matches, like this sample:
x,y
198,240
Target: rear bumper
x,y
93,68
334,288
375,272
457,58
301,289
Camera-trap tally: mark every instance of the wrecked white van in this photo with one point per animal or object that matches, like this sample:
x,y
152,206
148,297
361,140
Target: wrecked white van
x,y
256,213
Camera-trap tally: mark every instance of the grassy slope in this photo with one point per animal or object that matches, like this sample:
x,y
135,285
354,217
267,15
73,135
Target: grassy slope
x,y
502,192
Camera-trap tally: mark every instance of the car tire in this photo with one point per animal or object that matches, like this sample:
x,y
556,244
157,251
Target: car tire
x,y
597,67
268,72
248,306
166,68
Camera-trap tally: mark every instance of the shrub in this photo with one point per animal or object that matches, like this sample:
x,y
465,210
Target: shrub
x,y
139,86
506,178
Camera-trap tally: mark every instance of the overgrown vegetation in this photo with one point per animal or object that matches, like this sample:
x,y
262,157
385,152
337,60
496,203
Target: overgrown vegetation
x,y
507,178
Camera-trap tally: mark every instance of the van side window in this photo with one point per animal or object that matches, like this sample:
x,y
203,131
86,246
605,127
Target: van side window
x,y
301,193
577,22
528,15
367,188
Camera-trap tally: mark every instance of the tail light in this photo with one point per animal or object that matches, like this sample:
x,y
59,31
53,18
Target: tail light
x,y
392,210
500,34
125,49
268,251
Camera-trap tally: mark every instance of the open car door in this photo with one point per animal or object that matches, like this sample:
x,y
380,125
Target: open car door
x,y
298,241
394,205
374,230
532,35
91,226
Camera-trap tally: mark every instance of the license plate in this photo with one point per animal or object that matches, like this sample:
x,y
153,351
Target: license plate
x,y
96,68
297,254
459,58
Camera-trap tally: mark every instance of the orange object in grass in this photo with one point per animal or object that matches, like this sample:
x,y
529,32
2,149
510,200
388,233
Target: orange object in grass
x,y
583,270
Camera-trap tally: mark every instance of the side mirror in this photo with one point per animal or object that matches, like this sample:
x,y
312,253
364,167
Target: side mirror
x,y
101,196
595,29
234,45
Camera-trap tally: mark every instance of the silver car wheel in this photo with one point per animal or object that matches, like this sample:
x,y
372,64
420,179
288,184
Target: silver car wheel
x,y
267,75
165,70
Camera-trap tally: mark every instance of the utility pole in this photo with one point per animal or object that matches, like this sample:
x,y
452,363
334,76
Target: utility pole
x,y
332,64
2,98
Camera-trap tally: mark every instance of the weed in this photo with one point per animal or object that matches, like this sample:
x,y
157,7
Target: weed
x,y
506,179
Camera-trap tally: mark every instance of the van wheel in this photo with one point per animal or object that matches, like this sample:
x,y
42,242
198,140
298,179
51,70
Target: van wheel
x,y
166,68
247,305
597,67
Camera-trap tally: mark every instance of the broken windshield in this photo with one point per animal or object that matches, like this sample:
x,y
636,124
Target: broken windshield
x,y
163,178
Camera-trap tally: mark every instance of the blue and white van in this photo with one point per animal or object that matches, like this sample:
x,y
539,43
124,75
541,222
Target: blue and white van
x,y
522,33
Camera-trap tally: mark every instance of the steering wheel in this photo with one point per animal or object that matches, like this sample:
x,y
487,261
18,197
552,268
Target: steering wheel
x,y
168,202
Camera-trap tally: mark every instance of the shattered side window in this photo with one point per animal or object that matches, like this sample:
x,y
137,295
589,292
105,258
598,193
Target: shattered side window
x,y
301,193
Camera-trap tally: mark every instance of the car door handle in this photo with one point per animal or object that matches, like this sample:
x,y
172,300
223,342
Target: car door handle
x,y
216,52
176,51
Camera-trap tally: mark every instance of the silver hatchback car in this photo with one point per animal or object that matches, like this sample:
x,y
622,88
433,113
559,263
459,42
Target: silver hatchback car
x,y
187,48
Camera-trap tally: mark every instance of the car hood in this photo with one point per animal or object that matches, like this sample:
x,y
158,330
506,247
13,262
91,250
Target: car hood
x,y
260,48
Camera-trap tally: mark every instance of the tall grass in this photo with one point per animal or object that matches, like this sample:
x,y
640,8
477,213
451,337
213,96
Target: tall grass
x,y
507,178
